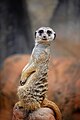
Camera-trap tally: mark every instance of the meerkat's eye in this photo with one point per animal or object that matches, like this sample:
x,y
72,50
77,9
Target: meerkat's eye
x,y
49,32
40,32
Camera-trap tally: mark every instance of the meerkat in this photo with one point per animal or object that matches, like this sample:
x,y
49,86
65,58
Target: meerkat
x,y
33,83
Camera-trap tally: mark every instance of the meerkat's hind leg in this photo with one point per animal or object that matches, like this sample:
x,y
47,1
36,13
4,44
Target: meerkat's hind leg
x,y
19,104
32,106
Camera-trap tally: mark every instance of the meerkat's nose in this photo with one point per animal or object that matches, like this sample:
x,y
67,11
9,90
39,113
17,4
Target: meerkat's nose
x,y
44,37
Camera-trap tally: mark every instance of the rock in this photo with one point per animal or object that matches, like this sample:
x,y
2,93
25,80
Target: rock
x,y
40,114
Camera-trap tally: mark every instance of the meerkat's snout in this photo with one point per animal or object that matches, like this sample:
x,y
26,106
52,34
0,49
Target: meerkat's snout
x,y
44,37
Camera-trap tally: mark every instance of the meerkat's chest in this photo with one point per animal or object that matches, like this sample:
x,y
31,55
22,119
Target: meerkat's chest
x,y
40,54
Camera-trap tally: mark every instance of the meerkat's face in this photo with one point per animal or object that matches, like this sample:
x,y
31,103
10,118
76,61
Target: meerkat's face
x,y
45,34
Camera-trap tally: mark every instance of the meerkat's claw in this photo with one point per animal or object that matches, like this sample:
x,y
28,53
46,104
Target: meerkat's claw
x,y
22,82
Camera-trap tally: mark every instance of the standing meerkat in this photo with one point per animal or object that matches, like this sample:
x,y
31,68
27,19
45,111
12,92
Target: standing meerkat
x,y
33,84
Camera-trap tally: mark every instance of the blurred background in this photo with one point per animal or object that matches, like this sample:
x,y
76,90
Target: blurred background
x,y
18,21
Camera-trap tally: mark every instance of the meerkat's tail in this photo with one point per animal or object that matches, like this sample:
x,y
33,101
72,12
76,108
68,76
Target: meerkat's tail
x,y
54,107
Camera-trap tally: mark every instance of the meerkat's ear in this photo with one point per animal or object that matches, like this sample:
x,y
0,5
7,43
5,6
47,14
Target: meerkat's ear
x,y
54,36
35,34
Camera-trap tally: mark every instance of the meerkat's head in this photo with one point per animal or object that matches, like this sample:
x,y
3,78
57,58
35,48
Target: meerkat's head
x,y
44,34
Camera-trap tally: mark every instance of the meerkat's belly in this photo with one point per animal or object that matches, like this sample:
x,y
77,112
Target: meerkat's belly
x,y
36,86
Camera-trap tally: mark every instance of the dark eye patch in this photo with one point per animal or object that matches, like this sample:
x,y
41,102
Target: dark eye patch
x,y
40,32
49,32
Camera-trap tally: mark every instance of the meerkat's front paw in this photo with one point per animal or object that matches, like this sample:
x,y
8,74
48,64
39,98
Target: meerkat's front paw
x,y
23,79
22,82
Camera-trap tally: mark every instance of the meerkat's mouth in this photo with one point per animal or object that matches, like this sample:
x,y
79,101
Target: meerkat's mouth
x,y
44,38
